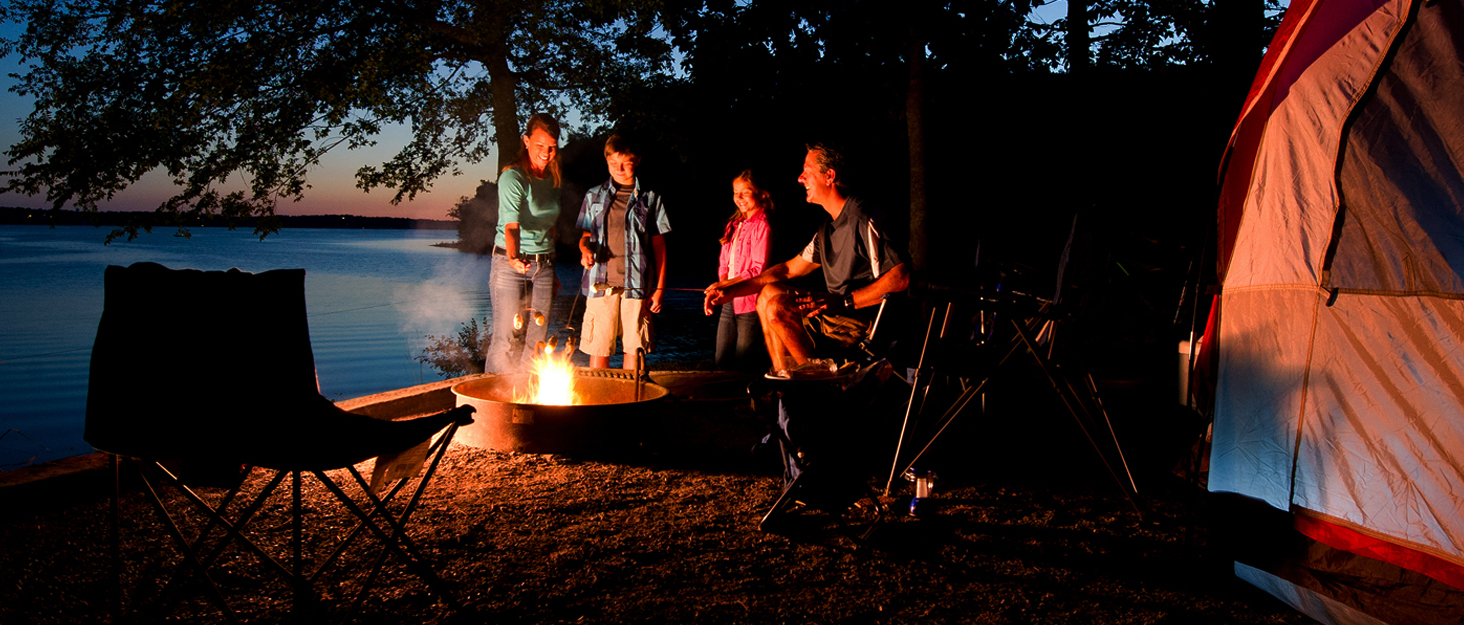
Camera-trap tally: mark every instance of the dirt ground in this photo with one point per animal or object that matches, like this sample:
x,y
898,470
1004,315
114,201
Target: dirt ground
x,y
1026,527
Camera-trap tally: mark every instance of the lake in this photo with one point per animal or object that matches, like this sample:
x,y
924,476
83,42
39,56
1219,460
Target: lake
x,y
372,298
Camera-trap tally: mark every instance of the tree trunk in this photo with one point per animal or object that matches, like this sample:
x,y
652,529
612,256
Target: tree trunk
x,y
1078,40
506,127
1237,35
915,130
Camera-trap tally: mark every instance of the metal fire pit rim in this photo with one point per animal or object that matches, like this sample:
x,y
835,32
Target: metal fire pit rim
x,y
657,392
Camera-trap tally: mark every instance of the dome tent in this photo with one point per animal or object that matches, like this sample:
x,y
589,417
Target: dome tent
x,y
1339,364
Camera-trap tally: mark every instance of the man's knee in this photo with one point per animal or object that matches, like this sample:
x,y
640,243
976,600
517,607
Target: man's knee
x,y
772,300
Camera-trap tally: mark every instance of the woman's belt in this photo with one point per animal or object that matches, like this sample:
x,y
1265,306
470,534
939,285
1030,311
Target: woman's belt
x,y
542,258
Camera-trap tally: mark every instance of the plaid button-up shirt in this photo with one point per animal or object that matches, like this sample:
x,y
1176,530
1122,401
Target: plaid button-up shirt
x,y
645,217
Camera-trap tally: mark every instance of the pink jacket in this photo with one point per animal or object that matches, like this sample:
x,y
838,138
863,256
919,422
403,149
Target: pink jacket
x,y
752,241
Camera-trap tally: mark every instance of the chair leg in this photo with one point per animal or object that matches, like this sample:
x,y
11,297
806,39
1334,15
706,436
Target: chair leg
x,y
345,543
214,593
417,566
114,544
438,449
399,529
302,593
233,529
880,512
785,500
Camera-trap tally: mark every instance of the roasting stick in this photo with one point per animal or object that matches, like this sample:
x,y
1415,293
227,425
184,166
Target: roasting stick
x,y
601,287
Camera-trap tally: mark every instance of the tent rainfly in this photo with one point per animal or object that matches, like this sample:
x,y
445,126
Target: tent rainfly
x,y
1339,362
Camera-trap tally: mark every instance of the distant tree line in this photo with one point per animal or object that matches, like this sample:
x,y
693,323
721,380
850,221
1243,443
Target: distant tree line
x,y
18,216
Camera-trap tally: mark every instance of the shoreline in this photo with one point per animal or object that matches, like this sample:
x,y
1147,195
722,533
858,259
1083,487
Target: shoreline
x,y
19,216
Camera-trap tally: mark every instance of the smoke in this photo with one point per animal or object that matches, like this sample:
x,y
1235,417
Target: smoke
x,y
456,292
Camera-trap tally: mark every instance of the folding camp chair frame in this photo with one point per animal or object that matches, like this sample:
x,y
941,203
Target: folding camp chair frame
x,y
1030,318
301,582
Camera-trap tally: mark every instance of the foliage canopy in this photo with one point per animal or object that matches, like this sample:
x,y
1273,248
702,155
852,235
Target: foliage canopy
x,y
207,90
236,101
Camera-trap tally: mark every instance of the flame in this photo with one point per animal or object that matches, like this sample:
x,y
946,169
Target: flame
x,y
553,380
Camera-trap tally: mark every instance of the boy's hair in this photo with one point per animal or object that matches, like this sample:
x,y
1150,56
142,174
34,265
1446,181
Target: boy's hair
x,y
830,158
618,144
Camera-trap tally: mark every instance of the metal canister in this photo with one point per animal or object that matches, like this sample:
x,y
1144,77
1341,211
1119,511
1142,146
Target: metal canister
x,y
924,487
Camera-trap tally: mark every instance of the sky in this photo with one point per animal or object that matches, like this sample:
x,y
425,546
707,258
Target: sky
x,y
333,184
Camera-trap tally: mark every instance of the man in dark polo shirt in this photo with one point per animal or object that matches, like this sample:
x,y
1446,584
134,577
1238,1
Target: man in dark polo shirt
x,y
860,265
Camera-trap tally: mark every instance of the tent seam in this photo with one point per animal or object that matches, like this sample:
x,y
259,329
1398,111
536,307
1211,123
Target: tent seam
x,y
1397,293
1311,345
1431,294
1224,290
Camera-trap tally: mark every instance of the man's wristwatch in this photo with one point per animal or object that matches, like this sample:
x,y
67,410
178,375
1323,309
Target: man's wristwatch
x,y
849,302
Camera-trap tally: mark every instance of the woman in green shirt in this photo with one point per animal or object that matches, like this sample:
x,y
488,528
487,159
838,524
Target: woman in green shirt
x,y
521,281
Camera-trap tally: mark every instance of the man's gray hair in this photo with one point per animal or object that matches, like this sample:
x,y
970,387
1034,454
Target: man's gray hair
x,y
830,158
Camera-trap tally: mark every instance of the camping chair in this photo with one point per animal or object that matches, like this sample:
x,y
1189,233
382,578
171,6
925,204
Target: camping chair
x,y
825,443
827,449
208,374
1029,325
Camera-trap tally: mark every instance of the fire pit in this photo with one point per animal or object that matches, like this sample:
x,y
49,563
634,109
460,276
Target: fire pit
x,y
606,413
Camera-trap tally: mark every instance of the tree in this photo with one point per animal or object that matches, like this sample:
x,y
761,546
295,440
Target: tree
x,y
477,219
1148,34
851,70
460,354
206,91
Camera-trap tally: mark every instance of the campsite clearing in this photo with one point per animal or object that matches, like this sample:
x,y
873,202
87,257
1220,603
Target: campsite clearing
x,y
525,538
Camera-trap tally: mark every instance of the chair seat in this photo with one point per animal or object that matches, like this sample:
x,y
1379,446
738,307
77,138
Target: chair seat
x,y
321,437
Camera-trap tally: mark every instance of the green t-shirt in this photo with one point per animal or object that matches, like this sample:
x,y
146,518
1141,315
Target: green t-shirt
x,y
533,203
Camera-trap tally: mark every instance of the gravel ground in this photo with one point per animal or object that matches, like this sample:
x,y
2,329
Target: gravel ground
x,y
1026,528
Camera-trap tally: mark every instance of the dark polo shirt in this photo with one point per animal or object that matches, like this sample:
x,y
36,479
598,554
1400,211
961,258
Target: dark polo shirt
x,y
853,250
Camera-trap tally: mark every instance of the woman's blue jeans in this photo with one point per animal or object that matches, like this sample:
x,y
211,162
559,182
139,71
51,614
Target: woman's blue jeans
x,y
513,293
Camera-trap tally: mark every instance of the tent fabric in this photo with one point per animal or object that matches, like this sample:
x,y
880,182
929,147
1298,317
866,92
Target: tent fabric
x,y
1324,609
1340,371
1364,543
1403,227
1289,209
1298,43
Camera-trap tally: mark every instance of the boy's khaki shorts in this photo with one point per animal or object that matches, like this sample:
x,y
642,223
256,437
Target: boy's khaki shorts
x,y
612,315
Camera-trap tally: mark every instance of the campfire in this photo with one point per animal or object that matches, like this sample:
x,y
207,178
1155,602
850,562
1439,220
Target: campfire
x,y
556,407
551,380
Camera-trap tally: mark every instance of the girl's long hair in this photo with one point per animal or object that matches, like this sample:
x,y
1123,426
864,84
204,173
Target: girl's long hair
x,y
549,125
760,197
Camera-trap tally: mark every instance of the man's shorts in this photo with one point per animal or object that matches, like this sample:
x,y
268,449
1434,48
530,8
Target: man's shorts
x,y
839,331
612,315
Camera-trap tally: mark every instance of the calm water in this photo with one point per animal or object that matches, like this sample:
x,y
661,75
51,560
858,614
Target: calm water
x,y
372,297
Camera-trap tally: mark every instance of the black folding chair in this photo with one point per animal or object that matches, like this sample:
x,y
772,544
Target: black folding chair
x,y
209,374
827,431
1009,323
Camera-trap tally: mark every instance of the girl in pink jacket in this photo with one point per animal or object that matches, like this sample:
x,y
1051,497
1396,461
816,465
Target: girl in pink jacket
x,y
745,244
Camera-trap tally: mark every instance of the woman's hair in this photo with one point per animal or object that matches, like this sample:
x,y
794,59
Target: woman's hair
x,y
548,124
760,197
